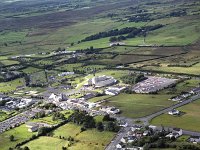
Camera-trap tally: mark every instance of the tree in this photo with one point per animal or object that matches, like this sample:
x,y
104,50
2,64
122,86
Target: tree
x,y
108,118
26,148
12,138
99,126
113,39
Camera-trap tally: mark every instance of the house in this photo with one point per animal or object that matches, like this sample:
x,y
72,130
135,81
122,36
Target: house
x,y
33,129
123,124
154,128
110,110
114,90
128,139
171,135
195,90
111,92
88,96
145,133
117,43
65,74
25,102
174,112
194,139
32,126
136,127
119,146
176,132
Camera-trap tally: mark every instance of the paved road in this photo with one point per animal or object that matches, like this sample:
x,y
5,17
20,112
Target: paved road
x,y
116,140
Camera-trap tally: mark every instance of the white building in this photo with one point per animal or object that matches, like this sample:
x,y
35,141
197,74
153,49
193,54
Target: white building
x,y
65,74
174,112
110,110
111,92
25,102
57,98
102,81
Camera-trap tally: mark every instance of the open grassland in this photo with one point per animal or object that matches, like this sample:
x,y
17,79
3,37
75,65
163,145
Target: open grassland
x,y
20,134
188,121
157,51
99,98
30,70
47,143
120,49
183,32
139,105
6,87
3,115
47,120
69,67
9,62
89,139
188,70
67,130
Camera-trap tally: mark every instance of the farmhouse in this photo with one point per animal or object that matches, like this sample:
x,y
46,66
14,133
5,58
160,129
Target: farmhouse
x,y
174,112
117,43
195,90
194,139
110,110
34,126
65,74
176,132
111,92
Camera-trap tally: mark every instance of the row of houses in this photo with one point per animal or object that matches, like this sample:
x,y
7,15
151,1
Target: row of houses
x,y
185,95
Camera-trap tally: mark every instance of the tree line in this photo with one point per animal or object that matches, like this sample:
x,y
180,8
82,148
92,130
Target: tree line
x,y
131,31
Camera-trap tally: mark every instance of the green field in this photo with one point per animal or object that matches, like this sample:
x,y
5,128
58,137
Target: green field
x,y
188,70
3,115
9,62
188,121
30,70
20,133
99,98
47,143
6,87
139,105
89,139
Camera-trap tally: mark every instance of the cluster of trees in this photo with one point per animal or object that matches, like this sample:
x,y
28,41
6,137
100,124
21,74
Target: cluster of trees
x,y
9,76
131,31
133,79
140,18
19,148
57,116
81,118
48,106
3,102
40,114
178,13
